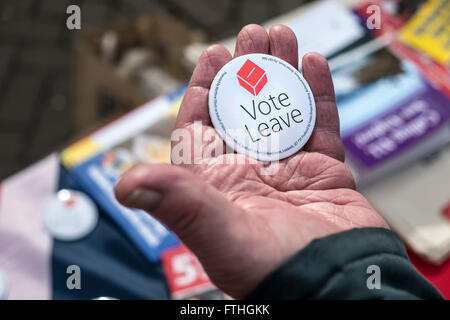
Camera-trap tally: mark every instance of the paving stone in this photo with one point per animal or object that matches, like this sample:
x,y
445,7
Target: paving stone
x,y
6,55
94,13
25,5
52,8
209,14
17,105
32,31
10,145
50,58
55,122
140,6
13,10
255,11
287,5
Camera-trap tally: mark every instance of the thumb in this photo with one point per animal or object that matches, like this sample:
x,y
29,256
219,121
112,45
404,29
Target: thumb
x,y
191,208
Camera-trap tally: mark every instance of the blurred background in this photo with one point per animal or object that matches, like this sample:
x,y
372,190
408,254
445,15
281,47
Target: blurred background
x,y
37,60
90,88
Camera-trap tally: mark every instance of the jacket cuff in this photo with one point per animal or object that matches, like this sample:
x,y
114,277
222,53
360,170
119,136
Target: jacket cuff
x,y
336,267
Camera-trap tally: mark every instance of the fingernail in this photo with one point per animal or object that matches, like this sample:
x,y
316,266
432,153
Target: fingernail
x,y
143,199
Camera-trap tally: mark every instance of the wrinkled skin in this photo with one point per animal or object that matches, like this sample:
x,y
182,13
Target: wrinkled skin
x,y
240,223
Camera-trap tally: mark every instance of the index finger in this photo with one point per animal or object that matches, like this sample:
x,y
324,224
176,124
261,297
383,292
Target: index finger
x,y
194,106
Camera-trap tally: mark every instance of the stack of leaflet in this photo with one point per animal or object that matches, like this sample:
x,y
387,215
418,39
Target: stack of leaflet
x,y
395,127
392,119
97,162
390,115
392,101
423,38
429,31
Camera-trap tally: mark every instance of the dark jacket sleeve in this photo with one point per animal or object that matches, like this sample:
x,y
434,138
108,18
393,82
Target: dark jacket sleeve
x,y
368,263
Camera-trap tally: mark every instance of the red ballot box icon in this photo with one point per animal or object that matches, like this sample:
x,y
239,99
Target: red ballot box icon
x,y
251,77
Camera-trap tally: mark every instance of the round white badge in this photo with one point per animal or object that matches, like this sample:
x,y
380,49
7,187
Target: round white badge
x,y
70,215
3,286
262,107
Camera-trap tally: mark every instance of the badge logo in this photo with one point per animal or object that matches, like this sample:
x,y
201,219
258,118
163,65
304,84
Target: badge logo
x,y
251,77
275,120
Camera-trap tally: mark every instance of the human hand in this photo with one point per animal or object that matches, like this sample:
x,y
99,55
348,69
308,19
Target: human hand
x,y
241,224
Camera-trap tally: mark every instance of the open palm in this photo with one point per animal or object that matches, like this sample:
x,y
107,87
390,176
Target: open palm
x,y
241,218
